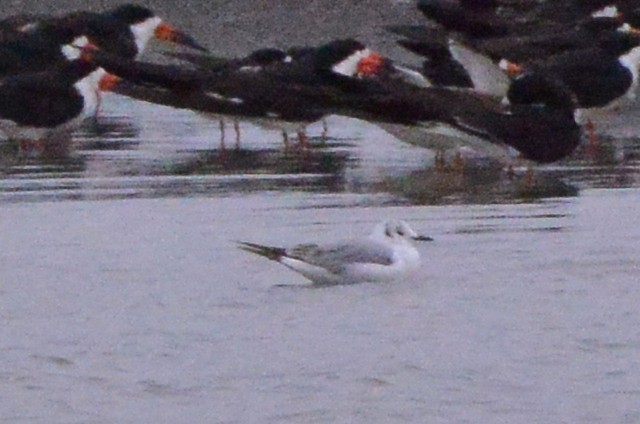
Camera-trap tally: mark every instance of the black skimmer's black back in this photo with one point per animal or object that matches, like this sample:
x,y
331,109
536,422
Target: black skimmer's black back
x,y
597,75
36,104
125,31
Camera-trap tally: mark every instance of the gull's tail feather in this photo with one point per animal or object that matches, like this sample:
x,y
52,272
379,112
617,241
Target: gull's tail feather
x,y
269,252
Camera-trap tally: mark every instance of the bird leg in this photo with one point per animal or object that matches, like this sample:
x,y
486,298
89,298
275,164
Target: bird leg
x,y
30,148
592,137
457,165
222,145
98,104
591,132
529,177
325,131
303,140
285,140
439,162
236,128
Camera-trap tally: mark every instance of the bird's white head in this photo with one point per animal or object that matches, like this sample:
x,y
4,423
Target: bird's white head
x,y
397,230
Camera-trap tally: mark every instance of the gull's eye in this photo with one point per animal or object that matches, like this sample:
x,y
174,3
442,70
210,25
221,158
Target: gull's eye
x,y
401,231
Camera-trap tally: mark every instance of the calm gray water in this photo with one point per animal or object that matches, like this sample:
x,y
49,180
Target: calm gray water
x,y
144,311
123,298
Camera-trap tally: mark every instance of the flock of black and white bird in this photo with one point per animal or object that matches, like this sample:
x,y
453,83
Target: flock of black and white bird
x,y
555,58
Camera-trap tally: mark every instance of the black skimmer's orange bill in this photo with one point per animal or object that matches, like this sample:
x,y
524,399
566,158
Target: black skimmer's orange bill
x,y
36,104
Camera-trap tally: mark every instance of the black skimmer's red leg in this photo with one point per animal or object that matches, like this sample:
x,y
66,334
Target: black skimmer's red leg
x,y
222,135
325,131
285,140
590,126
303,140
458,164
439,162
236,129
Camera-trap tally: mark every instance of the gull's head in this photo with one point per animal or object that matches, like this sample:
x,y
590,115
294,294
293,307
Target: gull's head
x,y
396,230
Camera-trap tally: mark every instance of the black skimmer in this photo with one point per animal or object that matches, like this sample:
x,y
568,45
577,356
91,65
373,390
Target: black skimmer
x,y
476,21
471,61
440,68
273,93
539,124
139,24
539,45
597,75
254,62
495,19
124,30
601,77
36,105
39,50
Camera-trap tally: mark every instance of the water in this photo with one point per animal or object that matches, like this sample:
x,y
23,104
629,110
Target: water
x,y
143,310
124,298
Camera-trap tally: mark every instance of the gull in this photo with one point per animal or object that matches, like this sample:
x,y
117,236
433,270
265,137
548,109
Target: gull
x,y
387,254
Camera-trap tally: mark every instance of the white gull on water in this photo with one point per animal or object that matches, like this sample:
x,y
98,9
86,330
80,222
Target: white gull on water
x,y
387,254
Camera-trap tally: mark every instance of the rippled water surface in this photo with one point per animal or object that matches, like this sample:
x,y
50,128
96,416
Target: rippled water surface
x,y
124,299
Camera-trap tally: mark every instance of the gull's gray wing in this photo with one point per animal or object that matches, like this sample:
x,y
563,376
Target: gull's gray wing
x,y
336,257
